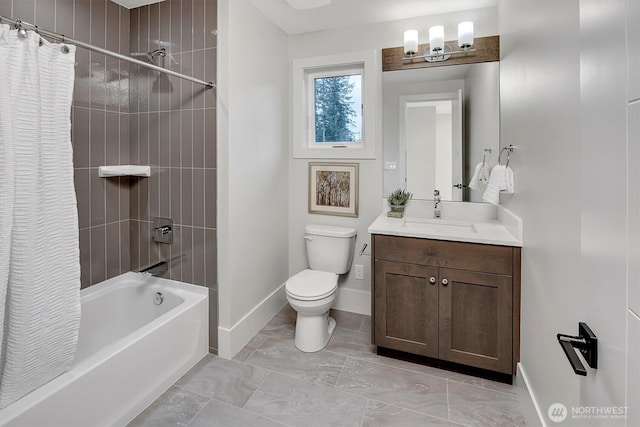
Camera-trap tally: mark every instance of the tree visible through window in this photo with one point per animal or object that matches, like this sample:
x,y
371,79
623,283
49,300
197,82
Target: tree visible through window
x,y
338,114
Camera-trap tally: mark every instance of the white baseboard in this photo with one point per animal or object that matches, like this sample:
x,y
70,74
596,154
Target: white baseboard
x,y
232,340
353,301
526,386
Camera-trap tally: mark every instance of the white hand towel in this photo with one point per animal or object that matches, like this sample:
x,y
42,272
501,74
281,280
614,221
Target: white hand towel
x,y
506,184
492,193
475,179
484,173
501,179
509,184
480,175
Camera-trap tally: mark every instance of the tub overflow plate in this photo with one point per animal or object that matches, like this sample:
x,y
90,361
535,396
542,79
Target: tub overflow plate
x,y
158,298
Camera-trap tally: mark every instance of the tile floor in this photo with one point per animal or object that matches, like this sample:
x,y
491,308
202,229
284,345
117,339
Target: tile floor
x,y
271,383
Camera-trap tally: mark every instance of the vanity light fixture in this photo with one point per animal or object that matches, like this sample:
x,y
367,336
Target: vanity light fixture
x,y
438,49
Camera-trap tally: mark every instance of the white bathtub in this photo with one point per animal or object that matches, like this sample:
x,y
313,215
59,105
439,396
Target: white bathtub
x,y
130,350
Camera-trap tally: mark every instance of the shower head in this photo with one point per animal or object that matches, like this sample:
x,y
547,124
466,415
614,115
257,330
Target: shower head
x,y
150,57
161,84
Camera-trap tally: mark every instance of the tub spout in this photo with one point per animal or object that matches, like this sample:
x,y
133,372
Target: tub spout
x,y
157,269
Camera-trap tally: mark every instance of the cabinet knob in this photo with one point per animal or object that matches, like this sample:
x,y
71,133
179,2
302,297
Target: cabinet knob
x,y
445,282
432,280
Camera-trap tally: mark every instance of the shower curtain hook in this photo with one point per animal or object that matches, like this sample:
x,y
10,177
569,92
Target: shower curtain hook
x,y
64,47
22,33
37,30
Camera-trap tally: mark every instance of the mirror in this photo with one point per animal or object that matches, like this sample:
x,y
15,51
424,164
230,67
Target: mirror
x,y
437,123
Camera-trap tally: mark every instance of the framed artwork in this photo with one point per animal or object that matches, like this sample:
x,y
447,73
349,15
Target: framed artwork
x,y
333,188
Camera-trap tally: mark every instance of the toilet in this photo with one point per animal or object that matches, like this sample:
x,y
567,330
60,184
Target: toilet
x,y
311,292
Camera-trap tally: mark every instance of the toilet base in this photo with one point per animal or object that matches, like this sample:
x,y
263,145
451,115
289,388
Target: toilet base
x,y
313,332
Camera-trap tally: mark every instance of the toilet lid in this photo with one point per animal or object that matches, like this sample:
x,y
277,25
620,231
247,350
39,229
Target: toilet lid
x,y
311,284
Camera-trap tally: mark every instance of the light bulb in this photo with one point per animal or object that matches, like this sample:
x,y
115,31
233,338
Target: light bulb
x,y
436,39
465,34
410,42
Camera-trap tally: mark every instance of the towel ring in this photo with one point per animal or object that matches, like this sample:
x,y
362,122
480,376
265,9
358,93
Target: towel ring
x,y
509,150
484,156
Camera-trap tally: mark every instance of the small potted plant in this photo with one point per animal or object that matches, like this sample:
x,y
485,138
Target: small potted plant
x,y
397,202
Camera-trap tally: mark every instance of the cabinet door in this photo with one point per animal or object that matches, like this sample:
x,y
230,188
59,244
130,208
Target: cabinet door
x,y
476,321
406,307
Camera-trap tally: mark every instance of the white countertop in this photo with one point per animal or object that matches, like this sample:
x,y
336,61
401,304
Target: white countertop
x,y
487,231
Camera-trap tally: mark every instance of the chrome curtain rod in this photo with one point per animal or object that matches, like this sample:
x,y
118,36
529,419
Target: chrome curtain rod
x,y
65,39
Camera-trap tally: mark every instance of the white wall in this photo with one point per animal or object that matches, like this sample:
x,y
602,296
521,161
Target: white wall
x,y
421,137
482,121
355,294
633,195
253,88
565,109
604,230
445,142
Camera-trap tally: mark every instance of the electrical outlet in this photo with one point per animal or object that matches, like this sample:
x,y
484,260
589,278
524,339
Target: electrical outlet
x,y
359,271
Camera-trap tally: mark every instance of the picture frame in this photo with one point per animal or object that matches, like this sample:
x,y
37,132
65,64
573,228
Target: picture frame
x,y
333,188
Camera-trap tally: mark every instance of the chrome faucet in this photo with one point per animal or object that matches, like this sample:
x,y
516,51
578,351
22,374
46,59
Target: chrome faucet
x,y
157,269
436,204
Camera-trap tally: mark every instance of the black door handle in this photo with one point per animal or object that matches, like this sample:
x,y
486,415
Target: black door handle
x,y
576,364
586,342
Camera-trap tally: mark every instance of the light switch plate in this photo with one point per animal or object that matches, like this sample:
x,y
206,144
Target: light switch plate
x,y
390,166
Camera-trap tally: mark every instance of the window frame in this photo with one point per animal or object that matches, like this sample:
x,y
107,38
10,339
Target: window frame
x,y
329,73
304,71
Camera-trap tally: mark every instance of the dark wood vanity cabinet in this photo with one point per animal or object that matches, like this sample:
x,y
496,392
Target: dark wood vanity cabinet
x,y
454,301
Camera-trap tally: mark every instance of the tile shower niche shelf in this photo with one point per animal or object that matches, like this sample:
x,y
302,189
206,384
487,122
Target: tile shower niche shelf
x,y
124,170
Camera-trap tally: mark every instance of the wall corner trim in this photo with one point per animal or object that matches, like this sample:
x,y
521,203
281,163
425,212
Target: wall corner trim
x,y
526,388
232,340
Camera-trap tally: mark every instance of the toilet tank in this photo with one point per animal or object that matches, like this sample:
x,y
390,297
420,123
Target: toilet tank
x,y
330,247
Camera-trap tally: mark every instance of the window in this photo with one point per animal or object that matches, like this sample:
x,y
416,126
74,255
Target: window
x,y
337,107
334,106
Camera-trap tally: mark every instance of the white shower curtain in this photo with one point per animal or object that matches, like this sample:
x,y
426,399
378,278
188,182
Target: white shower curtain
x,y
39,256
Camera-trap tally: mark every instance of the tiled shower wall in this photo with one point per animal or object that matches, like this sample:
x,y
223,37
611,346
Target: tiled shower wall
x,y
172,128
123,115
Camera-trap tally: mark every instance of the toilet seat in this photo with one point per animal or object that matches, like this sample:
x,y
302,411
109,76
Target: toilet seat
x,y
309,285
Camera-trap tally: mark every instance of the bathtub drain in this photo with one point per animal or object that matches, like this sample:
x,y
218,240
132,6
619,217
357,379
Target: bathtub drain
x,y
158,298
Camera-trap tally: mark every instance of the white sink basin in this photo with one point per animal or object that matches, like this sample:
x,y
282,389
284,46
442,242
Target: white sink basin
x,y
439,225
468,222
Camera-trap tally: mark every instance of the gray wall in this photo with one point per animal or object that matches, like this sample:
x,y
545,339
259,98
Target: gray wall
x,y
173,129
